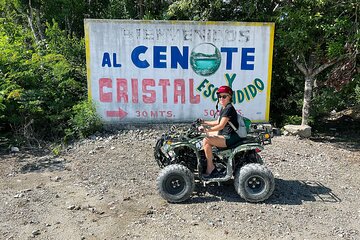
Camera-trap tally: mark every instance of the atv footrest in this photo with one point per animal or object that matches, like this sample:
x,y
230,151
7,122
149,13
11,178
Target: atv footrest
x,y
209,181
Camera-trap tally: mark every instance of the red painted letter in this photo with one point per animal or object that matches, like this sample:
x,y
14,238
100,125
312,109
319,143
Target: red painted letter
x,y
135,90
179,92
164,83
152,97
193,99
105,96
122,89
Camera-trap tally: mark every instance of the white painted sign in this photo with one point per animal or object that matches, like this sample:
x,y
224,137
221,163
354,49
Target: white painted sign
x,y
169,71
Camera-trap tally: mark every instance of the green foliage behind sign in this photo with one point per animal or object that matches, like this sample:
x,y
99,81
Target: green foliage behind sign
x,y
40,83
42,60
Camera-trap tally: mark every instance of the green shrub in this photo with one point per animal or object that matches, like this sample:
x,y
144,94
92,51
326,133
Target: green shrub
x,y
39,82
56,149
84,120
292,120
328,98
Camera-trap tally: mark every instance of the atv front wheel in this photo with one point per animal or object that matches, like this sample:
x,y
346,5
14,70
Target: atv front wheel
x,y
254,182
175,183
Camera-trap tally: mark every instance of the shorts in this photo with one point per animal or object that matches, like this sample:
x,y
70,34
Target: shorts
x,y
232,139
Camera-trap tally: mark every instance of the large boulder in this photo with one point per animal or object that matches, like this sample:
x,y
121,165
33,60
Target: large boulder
x,y
352,113
303,131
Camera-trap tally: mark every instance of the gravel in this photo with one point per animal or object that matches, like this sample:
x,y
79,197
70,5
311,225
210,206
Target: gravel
x,y
104,187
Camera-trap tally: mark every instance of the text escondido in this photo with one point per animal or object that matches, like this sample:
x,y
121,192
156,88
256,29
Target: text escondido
x,y
247,93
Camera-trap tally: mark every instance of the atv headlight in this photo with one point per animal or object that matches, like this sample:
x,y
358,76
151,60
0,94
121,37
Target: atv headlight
x,y
165,148
267,136
172,154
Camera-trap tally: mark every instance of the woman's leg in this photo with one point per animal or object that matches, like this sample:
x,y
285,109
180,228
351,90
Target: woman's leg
x,y
208,143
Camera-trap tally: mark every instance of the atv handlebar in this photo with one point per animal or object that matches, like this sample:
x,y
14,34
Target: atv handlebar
x,y
190,131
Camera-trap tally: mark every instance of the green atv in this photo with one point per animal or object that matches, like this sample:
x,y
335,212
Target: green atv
x,y
180,155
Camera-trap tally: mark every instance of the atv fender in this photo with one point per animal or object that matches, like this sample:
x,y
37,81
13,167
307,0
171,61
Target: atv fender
x,y
247,147
174,146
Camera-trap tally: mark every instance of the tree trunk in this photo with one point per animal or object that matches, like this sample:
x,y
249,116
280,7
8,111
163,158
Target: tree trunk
x,y
30,18
307,99
39,26
38,34
31,25
141,9
310,74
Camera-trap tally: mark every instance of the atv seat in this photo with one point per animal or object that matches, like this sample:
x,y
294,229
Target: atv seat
x,y
242,141
231,146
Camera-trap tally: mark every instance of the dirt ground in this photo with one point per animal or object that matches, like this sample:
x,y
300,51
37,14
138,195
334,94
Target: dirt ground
x,y
104,187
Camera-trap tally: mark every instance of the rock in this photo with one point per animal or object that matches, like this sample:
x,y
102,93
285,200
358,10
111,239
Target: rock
x,y
57,179
150,211
73,207
352,112
44,159
20,195
194,223
68,168
92,137
126,198
35,232
303,131
99,147
14,150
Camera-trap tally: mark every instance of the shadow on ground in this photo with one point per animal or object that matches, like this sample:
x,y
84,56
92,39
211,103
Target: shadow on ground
x,y
343,133
287,192
46,163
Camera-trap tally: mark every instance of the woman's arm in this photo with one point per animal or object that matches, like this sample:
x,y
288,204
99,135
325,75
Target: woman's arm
x,y
218,126
210,123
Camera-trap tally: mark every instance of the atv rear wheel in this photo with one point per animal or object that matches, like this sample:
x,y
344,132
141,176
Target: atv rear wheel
x,y
175,183
254,182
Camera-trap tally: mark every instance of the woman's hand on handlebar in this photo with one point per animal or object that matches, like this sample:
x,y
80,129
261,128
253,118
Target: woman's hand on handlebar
x,y
199,121
201,129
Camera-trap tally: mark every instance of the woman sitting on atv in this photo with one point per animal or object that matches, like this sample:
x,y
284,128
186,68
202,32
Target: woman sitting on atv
x,y
221,134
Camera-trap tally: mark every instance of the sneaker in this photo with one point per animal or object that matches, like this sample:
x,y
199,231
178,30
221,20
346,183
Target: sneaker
x,y
213,174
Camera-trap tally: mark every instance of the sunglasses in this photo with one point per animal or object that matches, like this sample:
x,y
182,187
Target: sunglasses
x,y
223,96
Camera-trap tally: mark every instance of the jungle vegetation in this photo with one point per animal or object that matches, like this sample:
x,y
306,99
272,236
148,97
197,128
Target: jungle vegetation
x,y
43,90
